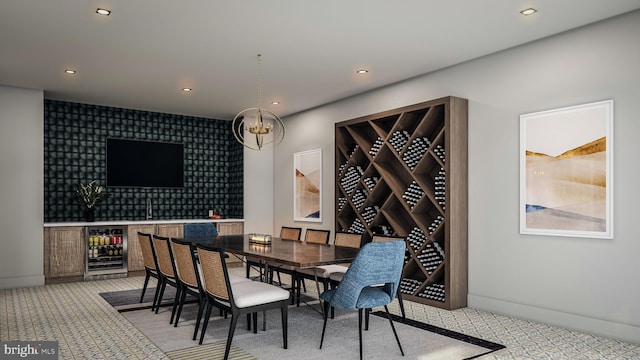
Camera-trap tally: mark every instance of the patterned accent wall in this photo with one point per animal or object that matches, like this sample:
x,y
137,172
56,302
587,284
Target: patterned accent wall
x,y
75,151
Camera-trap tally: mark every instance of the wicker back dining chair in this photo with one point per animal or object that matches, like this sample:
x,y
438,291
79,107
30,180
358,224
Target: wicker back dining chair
x,y
371,281
150,264
317,236
238,298
286,233
290,233
166,270
314,236
188,276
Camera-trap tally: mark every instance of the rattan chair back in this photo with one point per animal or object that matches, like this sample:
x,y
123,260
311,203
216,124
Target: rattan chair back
x,y
317,236
148,255
381,238
348,240
182,254
161,246
213,273
290,233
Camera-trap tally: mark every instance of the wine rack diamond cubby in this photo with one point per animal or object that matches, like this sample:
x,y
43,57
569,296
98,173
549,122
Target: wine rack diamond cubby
x,y
403,172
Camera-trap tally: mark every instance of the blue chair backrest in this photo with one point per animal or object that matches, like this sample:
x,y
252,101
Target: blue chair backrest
x,y
375,264
200,229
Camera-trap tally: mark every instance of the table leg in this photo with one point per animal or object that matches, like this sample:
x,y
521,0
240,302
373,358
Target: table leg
x,y
266,280
315,275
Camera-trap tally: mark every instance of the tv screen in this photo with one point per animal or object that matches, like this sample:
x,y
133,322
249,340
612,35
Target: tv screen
x,y
134,163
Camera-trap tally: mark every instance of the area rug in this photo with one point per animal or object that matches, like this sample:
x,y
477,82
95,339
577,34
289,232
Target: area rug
x,y
128,300
419,340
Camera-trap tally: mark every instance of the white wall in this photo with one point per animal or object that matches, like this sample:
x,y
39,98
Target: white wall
x,y
585,284
258,191
21,187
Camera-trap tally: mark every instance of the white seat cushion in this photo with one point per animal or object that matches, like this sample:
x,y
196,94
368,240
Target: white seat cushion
x,y
246,294
324,271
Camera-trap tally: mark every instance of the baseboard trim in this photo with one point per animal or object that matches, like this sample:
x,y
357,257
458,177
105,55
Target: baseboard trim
x,y
21,281
610,329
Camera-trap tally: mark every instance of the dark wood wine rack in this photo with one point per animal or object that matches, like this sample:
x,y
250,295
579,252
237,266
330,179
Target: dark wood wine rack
x,y
403,172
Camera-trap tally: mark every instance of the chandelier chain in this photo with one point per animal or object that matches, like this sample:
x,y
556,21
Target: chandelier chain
x,y
259,82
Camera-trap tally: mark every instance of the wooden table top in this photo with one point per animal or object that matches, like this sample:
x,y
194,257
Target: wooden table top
x,y
290,252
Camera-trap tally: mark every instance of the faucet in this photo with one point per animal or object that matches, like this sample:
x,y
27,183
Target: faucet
x,y
149,209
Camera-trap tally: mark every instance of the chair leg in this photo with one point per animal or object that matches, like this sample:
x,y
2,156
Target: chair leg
x,y
146,282
293,292
333,310
161,294
360,330
404,318
255,322
394,329
206,321
248,321
324,326
175,303
183,297
155,296
298,282
367,313
232,329
284,310
201,305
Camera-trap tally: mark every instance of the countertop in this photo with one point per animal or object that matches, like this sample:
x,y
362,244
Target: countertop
x,y
139,222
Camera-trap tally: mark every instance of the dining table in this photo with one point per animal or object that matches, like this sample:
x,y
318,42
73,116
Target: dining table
x,y
300,254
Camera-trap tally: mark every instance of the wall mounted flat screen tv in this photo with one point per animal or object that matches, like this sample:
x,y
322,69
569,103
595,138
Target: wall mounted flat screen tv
x,y
135,163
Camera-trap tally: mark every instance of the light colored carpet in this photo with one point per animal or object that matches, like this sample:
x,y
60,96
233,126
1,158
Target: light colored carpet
x,y
305,327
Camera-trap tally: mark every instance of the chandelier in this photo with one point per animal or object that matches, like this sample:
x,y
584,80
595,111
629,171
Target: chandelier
x,y
257,127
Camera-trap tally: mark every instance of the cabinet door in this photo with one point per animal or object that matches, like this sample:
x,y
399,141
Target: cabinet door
x,y
170,230
230,228
135,262
64,251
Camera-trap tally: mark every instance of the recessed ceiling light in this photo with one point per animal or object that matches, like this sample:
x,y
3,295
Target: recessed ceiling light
x,y
103,12
362,71
186,89
70,71
275,102
528,11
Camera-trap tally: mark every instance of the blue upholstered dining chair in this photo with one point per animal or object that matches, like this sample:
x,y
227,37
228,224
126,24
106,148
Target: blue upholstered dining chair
x,y
375,264
200,229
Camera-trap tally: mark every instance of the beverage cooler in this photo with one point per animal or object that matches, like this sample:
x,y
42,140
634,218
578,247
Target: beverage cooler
x,y
106,250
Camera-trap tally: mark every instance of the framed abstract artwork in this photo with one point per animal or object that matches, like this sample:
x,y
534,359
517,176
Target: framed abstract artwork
x,y
307,186
566,171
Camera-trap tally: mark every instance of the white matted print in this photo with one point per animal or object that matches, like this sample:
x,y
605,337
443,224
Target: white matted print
x,y
307,186
566,171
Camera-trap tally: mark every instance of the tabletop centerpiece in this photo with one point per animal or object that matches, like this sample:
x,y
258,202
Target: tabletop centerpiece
x,y
262,239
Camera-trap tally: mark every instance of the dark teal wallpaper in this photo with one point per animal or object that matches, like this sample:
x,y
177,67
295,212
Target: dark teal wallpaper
x,y
74,152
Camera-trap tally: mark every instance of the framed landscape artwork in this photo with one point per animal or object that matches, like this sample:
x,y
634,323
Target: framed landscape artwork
x,y
566,171
307,186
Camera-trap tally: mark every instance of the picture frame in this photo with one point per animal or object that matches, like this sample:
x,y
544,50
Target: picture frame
x,y
307,186
566,171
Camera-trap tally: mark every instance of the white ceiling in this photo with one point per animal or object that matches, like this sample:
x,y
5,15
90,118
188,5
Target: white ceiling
x,y
147,50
